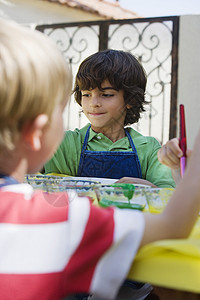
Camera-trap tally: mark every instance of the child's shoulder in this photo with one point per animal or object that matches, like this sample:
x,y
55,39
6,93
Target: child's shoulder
x,y
140,138
74,134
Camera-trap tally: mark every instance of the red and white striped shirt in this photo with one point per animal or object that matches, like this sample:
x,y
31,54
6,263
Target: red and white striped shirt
x,y
53,245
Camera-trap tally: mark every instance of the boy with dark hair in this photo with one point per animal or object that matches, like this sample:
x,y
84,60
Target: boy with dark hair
x,y
110,87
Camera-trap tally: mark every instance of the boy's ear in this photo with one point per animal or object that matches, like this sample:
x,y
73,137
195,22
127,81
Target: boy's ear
x,y
128,106
32,132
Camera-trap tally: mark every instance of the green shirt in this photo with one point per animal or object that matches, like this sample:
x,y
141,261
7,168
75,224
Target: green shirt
x,y
66,159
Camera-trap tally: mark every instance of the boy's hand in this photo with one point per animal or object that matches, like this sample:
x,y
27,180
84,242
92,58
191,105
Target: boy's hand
x,y
134,180
170,154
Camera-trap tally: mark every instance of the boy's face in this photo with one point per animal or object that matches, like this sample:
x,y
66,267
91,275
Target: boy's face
x,y
51,137
104,108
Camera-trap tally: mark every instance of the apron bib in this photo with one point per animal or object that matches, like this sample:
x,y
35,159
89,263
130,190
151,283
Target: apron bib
x,y
109,164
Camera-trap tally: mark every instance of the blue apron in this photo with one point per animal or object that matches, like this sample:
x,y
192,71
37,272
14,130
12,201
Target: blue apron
x,y
109,164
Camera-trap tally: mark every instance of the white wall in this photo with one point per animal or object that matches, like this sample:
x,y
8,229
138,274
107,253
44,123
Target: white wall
x,y
189,74
42,12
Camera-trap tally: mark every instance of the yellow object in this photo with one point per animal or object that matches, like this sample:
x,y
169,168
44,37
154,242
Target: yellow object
x,y
172,264
58,174
157,198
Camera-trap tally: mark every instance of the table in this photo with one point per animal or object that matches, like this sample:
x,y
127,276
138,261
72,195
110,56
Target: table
x,y
173,264
170,264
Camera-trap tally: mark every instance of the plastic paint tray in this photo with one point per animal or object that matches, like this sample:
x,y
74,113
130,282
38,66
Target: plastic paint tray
x,y
121,196
52,184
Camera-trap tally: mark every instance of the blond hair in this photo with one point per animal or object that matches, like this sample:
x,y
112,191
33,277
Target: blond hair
x,y
33,78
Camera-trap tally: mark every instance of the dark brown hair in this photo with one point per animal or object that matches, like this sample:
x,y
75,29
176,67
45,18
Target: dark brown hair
x,y
122,70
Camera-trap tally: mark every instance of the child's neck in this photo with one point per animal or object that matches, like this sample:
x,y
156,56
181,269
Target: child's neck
x,y
7,180
113,135
14,175
13,167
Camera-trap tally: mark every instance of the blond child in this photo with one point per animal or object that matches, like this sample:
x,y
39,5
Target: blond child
x,y
51,247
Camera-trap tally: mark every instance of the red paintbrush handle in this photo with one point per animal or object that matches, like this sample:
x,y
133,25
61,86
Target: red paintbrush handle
x,y
182,141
